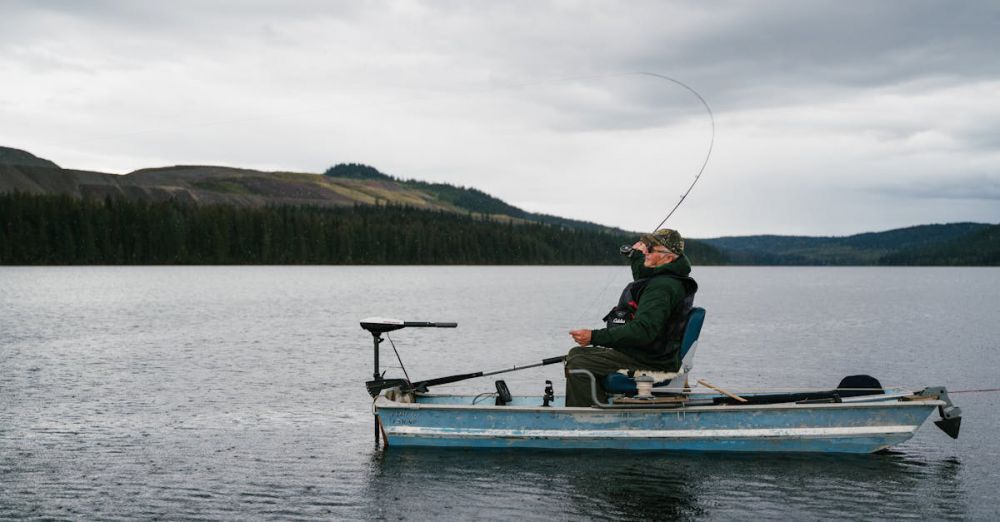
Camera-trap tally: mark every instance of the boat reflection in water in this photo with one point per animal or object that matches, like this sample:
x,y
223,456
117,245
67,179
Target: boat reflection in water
x,y
532,484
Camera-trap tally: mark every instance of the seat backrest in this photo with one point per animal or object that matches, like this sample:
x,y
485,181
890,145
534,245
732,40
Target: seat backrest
x,y
692,330
676,382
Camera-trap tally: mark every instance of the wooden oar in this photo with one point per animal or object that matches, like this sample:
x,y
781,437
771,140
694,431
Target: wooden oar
x,y
720,390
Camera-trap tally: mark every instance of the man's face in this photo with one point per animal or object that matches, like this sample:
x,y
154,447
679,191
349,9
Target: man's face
x,y
657,256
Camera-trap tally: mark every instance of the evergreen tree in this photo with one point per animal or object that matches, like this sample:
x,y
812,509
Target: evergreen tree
x,y
38,230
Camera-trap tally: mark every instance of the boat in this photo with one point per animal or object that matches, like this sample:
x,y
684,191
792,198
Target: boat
x,y
650,412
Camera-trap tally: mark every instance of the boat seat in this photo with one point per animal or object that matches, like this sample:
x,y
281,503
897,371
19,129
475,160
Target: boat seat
x,y
623,381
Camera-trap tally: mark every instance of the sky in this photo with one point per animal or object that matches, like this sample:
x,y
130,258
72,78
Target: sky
x,y
830,118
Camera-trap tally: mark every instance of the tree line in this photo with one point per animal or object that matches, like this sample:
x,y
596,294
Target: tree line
x,y
63,230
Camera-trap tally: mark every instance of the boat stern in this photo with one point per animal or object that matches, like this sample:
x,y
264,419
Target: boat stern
x,y
951,415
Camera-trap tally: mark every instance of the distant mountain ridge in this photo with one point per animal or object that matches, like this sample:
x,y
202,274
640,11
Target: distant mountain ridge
x,y
467,198
342,185
892,247
353,184
10,156
979,248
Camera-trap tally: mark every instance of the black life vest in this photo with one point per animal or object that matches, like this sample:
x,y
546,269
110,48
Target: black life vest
x,y
671,336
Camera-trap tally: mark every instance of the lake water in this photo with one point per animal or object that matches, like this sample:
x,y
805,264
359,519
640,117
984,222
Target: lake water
x,y
238,392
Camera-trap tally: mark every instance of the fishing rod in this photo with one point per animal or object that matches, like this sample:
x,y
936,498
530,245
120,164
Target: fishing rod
x,y
627,249
701,99
376,386
711,142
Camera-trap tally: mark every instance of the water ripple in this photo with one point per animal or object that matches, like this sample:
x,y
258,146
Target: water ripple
x,y
206,393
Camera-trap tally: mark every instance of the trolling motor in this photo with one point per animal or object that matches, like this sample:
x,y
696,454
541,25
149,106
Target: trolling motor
x,y
380,325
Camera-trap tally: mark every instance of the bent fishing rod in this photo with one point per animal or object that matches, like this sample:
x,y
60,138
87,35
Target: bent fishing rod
x,y
627,249
711,141
701,99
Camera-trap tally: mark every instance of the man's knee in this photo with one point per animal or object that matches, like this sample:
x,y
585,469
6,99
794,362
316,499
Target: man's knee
x,y
576,356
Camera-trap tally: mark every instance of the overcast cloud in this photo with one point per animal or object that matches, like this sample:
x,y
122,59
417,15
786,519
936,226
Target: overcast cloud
x,y
831,117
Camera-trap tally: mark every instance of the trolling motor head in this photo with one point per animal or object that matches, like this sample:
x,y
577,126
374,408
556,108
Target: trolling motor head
x,y
380,325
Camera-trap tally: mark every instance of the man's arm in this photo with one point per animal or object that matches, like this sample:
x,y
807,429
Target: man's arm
x,y
583,337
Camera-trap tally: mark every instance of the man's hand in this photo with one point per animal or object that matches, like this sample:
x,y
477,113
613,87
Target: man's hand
x,y
640,246
582,337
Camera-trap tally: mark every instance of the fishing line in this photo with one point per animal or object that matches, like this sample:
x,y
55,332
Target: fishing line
x,y
817,389
607,282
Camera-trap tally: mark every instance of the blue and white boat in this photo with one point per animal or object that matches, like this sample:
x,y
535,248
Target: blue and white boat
x,y
657,413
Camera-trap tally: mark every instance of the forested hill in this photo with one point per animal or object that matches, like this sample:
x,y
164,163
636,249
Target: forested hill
x,y
466,198
205,214
980,247
62,230
947,244
53,215
344,185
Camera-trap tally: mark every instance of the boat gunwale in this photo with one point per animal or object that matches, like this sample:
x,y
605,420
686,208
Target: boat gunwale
x,y
828,432
382,402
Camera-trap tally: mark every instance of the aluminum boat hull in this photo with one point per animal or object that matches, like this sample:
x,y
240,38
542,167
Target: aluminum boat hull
x,y
859,426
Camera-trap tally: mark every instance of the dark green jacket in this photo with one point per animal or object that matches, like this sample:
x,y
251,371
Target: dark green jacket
x,y
658,299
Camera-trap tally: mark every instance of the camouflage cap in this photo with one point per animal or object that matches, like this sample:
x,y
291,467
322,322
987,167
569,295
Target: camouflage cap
x,y
665,237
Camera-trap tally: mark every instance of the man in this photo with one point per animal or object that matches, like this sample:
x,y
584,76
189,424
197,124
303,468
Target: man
x,y
645,329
